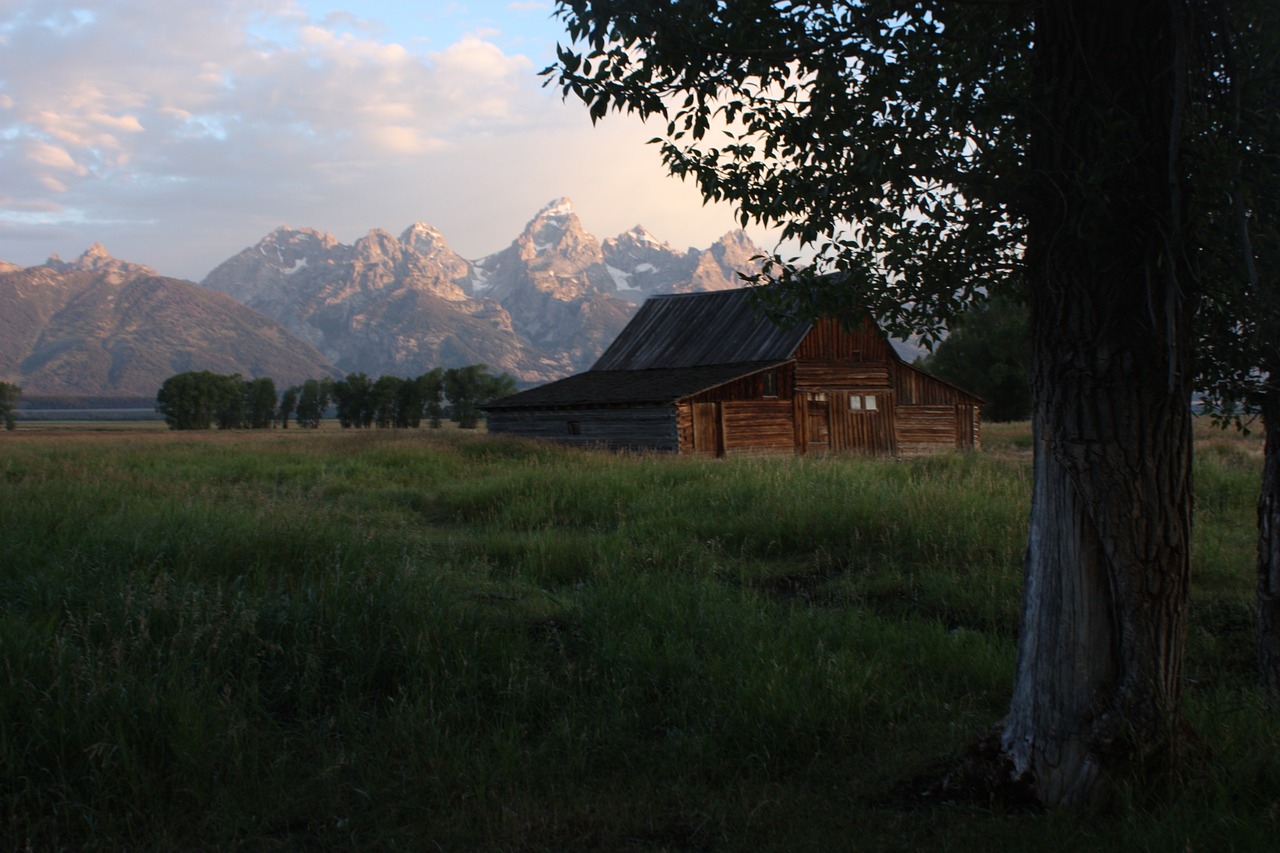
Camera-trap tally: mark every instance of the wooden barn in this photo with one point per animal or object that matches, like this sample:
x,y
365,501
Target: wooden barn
x,y
706,373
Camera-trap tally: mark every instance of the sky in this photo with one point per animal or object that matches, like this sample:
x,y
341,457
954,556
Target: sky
x,y
179,133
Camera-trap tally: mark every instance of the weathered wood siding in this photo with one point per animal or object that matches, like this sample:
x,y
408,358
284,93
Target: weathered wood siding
x,y
698,425
844,390
815,425
828,376
759,426
752,387
648,428
969,426
830,341
915,387
931,429
737,426
866,430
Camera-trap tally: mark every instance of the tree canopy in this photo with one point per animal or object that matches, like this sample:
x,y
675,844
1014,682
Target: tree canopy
x,y
989,353
201,399
886,136
190,400
470,387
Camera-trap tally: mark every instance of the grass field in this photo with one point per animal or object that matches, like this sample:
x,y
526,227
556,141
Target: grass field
x,y
438,640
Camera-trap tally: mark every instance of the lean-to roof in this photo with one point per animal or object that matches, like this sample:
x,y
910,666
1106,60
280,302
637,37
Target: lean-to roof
x,y
660,386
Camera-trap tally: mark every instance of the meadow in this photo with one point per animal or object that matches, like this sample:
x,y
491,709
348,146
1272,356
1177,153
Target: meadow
x,y
416,640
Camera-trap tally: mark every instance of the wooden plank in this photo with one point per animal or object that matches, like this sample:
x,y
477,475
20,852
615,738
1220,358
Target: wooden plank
x,y
925,429
762,425
862,429
651,428
752,387
705,428
817,376
829,340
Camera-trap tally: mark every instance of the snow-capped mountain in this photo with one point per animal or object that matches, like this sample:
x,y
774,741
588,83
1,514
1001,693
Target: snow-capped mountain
x,y
545,306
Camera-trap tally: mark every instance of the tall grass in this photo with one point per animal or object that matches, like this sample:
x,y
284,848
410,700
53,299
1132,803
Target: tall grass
x,y
412,640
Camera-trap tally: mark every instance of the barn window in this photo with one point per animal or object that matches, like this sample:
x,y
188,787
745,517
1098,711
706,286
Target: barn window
x,y
575,428
870,403
860,403
770,384
855,403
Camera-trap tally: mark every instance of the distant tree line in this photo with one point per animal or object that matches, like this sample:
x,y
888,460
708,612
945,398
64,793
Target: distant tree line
x,y
10,394
202,400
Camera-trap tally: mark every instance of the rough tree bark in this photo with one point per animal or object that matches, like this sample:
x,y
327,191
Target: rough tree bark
x,y
1268,601
1107,564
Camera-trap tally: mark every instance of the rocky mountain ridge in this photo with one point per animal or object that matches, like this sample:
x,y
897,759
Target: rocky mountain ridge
x,y
545,306
101,326
301,303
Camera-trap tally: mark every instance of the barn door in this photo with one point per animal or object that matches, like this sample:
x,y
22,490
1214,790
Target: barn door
x,y
862,422
817,422
706,428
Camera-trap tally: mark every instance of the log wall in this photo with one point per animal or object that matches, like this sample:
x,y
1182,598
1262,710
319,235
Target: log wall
x,y
649,428
737,426
930,429
828,375
801,406
752,387
863,430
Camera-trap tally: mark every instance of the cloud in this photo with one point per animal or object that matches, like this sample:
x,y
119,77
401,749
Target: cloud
x,y
178,133
52,158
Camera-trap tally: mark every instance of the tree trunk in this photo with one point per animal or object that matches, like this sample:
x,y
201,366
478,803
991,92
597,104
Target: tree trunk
x,y
1106,571
1268,605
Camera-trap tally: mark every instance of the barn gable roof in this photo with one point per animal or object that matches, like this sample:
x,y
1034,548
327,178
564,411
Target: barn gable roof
x,y
677,346
698,330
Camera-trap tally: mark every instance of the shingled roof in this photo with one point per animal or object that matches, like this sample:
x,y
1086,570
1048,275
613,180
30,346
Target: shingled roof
x,y
674,346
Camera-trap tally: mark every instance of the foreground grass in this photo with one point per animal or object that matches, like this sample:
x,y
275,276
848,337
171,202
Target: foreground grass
x,y
344,640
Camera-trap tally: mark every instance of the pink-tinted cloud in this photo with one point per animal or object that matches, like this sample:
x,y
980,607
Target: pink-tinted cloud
x,y
178,133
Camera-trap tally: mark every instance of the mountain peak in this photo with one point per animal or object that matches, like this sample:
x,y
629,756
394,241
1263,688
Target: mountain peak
x,y
556,234
284,233
639,236
420,228
556,209
96,258
424,239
